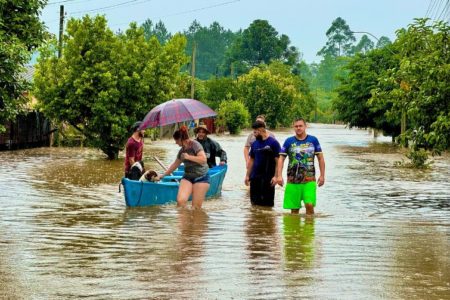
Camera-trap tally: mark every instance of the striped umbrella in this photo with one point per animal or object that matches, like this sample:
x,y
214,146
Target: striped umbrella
x,y
175,111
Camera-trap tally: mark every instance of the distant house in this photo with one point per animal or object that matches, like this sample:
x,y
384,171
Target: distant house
x,y
30,129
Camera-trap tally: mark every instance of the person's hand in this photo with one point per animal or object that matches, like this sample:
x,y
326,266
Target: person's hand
x,y
247,180
280,180
222,163
158,178
273,182
321,181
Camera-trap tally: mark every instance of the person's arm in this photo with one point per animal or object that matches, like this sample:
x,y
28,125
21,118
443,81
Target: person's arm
x,y
170,170
321,159
246,152
274,180
220,153
199,158
279,172
249,169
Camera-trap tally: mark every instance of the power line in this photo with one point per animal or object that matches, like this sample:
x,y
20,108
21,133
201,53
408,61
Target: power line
x,y
104,7
428,9
444,10
185,12
202,8
65,1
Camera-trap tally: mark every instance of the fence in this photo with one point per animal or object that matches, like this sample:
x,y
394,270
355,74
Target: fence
x,y
27,131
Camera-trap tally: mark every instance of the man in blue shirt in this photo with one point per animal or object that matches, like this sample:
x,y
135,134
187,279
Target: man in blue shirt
x,y
301,184
261,172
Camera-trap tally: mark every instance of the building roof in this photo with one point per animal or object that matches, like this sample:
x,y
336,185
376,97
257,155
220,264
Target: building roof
x,y
28,73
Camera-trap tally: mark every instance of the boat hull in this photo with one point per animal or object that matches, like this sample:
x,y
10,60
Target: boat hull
x,y
138,193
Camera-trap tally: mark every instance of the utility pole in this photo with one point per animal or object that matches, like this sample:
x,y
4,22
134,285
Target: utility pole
x,y
61,29
194,47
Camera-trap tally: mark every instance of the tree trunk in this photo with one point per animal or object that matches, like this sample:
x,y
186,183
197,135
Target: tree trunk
x,y
112,152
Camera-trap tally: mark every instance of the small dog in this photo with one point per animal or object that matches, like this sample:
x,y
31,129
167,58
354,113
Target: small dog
x,y
149,176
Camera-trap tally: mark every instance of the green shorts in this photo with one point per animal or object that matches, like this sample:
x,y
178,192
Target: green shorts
x,y
295,193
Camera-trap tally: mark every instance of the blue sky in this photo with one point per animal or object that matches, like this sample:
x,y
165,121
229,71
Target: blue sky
x,y
305,22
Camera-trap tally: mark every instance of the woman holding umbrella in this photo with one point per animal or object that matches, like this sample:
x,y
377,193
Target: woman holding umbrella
x,y
195,180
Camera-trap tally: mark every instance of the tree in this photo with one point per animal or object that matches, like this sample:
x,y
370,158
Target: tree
x,y
261,44
220,89
354,104
21,32
234,115
105,82
211,45
159,31
420,89
340,39
383,42
273,91
364,45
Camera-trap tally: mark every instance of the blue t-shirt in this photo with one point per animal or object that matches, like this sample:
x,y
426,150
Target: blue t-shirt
x,y
264,153
301,158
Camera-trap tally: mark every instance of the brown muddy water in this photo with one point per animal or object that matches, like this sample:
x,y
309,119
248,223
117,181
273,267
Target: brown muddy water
x,y
380,231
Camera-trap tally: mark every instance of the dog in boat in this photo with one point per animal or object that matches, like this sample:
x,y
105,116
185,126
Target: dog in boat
x,y
136,170
149,176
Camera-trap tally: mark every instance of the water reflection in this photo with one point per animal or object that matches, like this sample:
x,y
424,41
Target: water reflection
x,y
189,245
298,242
262,237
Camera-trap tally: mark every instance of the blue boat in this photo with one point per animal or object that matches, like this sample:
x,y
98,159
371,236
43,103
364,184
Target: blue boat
x,y
138,193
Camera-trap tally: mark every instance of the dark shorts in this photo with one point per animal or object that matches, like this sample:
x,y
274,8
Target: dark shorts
x,y
262,192
201,179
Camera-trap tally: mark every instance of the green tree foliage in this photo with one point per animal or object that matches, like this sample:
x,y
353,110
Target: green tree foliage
x,y
420,85
260,44
159,30
211,44
354,105
340,39
272,90
383,42
21,32
234,115
364,45
105,82
220,89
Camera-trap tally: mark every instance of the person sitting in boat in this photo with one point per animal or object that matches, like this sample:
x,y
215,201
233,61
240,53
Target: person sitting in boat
x,y
196,179
212,148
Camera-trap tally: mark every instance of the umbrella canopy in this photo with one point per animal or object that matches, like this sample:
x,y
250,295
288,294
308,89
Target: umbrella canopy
x,y
175,111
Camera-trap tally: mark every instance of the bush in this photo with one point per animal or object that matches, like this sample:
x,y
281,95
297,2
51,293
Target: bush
x,y
233,115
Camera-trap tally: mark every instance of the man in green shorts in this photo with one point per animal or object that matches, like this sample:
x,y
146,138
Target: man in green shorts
x,y
301,176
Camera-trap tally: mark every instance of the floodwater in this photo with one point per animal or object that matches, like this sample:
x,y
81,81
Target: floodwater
x,y
380,231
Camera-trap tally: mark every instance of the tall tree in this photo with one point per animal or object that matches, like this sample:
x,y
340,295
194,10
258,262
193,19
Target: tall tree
x,y
211,45
159,30
340,39
21,32
105,82
383,42
260,43
364,45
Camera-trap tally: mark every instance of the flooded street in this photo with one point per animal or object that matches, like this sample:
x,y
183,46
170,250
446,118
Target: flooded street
x,y
380,231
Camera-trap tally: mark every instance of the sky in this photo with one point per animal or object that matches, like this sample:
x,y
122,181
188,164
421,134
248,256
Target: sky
x,y
304,22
